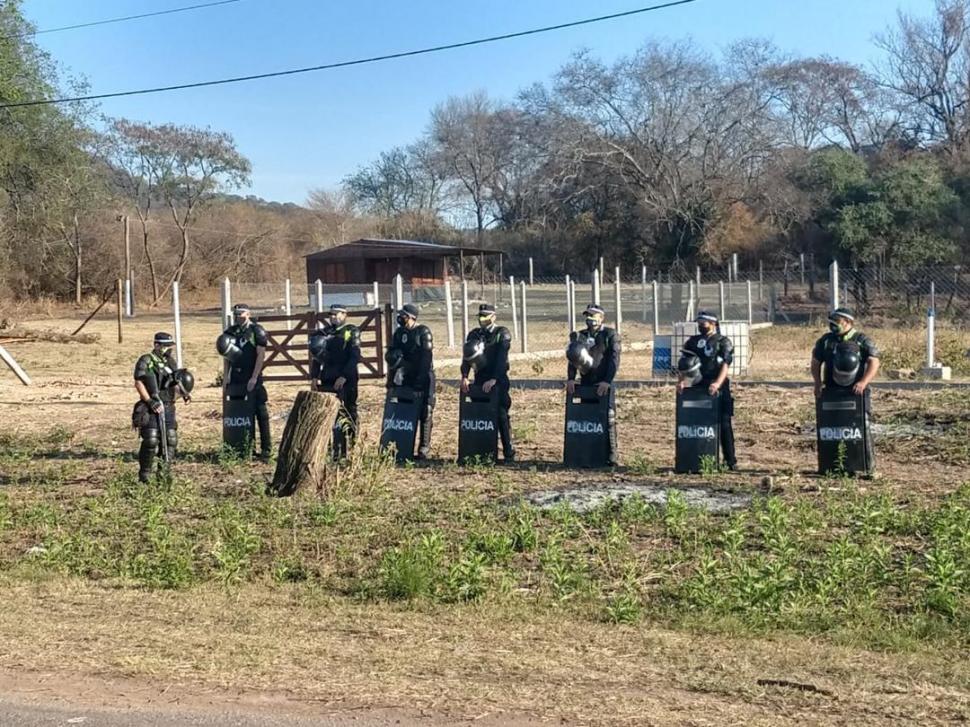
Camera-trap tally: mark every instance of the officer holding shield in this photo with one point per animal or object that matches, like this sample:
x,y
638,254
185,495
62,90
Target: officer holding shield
x,y
848,359
336,355
410,363
243,345
594,354
706,361
486,351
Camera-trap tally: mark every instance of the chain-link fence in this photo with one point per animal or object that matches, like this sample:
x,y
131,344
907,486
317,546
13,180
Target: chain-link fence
x,y
542,314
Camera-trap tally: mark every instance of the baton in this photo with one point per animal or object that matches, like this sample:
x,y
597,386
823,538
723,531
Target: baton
x,y
163,430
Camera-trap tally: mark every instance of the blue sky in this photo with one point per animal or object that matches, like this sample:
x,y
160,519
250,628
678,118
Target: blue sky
x,y
309,131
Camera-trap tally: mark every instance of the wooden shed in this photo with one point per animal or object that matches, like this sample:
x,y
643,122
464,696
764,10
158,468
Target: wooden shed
x,y
367,260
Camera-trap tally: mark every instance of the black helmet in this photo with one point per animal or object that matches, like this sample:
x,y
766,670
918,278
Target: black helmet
x,y
185,379
318,345
689,367
473,352
577,353
394,358
164,339
846,360
228,348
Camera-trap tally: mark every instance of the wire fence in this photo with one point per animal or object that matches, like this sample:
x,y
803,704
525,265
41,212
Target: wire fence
x,y
542,314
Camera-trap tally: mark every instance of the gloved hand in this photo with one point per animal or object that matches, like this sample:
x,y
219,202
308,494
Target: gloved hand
x,y
156,406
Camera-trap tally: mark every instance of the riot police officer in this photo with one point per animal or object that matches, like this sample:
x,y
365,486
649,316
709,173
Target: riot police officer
x,y
157,380
336,354
410,360
847,358
243,345
594,354
487,351
707,362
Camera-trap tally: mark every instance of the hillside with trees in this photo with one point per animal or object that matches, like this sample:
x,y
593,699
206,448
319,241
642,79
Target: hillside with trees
x,y
668,157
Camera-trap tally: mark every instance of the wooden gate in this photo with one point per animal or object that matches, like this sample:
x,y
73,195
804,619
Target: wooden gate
x,y
287,350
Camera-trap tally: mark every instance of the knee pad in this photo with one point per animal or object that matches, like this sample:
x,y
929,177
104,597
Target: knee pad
x,y
173,439
150,437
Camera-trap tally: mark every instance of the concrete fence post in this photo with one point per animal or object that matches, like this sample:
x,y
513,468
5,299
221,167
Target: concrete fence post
x,y
643,290
177,313
619,300
531,276
569,306
449,314
834,284
596,286
515,308
722,314
226,303
750,307
398,291
319,295
656,309
572,302
377,294
525,320
464,310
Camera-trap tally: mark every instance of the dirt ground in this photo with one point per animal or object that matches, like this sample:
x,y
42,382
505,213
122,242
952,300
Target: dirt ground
x,y
449,664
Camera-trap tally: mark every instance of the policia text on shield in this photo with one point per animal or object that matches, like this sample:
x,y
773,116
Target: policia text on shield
x,y
590,430
486,351
844,363
410,387
704,402
244,401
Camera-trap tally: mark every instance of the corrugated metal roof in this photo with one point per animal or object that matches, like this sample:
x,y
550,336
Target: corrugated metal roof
x,y
380,248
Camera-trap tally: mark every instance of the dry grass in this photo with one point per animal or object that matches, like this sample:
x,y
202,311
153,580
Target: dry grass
x,y
469,663
504,656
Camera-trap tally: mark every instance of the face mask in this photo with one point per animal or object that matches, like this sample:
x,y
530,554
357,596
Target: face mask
x,y
592,322
834,327
705,328
484,321
402,321
240,320
164,351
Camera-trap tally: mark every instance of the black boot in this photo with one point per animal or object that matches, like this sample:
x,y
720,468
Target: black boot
x,y
505,434
424,445
265,435
727,444
146,454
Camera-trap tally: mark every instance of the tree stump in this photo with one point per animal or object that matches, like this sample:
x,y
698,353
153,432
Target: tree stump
x,y
303,450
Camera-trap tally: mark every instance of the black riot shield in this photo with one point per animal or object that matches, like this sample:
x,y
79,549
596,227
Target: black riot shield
x,y
238,419
586,442
842,430
698,430
402,412
478,425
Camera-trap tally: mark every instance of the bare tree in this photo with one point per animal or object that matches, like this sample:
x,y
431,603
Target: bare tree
x,y
927,65
183,167
470,144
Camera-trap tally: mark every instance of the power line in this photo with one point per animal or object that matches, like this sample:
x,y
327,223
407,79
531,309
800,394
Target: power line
x,y
356,62
108,21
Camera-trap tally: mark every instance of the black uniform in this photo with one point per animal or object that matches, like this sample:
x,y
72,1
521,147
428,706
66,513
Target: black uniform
x,y
340,359
416,372
498,341
158,376
248,338
824,352
714,351
604,346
